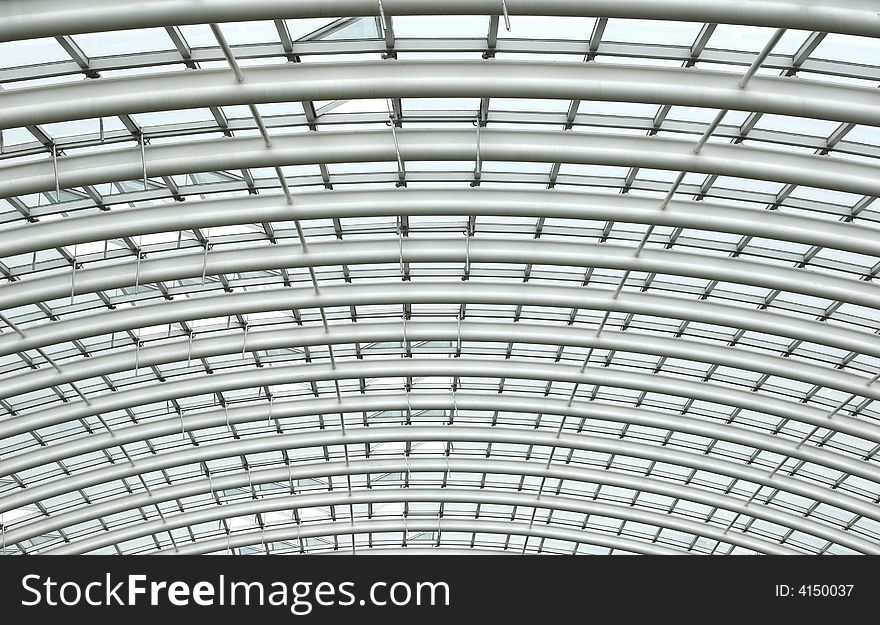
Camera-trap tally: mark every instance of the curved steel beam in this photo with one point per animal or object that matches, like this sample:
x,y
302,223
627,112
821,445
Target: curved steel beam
x,y
495,434
444,202
159,427
25,19
410,494
470,292
442,145
438,79
415,367
482,526
117,360
191,488
444,250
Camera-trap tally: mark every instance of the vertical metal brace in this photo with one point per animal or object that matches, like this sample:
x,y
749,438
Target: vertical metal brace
x,y
400,247
478,161
226,409
454,405
762,56
290,476
467,256
382,18
401,168
458,337
101,129
73,277
55,173
142,141
205,261
244,340
137,356
189,349
408,405
137,273
2,143
271,404
405,340
182,428
506,15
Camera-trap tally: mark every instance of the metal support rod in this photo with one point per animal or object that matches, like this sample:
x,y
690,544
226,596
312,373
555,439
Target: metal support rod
x,y
264,132
762,56
205,260
227,52
142,140
478,162
55,173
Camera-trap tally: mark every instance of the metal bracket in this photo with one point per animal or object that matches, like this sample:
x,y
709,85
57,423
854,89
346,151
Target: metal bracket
x,y
137,356
205,260
506,15
478,160
142,140
55,173
189,349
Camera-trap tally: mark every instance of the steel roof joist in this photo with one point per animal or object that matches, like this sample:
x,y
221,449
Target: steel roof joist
x,y
411,494
24,19
493,466
426,292
441,145
426,250
507,401
119,360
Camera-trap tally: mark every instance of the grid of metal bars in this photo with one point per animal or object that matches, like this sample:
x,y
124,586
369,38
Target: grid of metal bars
x,y
182,435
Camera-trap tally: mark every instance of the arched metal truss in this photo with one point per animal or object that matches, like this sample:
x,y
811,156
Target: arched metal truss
x,y
556,276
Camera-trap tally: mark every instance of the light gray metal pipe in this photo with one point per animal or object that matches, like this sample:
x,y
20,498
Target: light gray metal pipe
x,y
182,489
444,145
439,202
193,422
470,292
25,19
496,434
464,366
438,79
427,250
117,360
408,495
482,526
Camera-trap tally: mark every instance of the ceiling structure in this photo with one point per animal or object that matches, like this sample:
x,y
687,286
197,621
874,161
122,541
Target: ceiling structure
x,y
409,276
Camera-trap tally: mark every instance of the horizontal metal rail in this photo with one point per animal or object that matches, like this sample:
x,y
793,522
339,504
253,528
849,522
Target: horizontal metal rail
x,y
439,202
418,401
411,494
505,528
439,79
428,292
493,466
442,145
193,348
49,18
445,250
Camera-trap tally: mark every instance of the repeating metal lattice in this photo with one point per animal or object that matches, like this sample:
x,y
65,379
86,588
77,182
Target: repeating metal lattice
x,y
472,276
